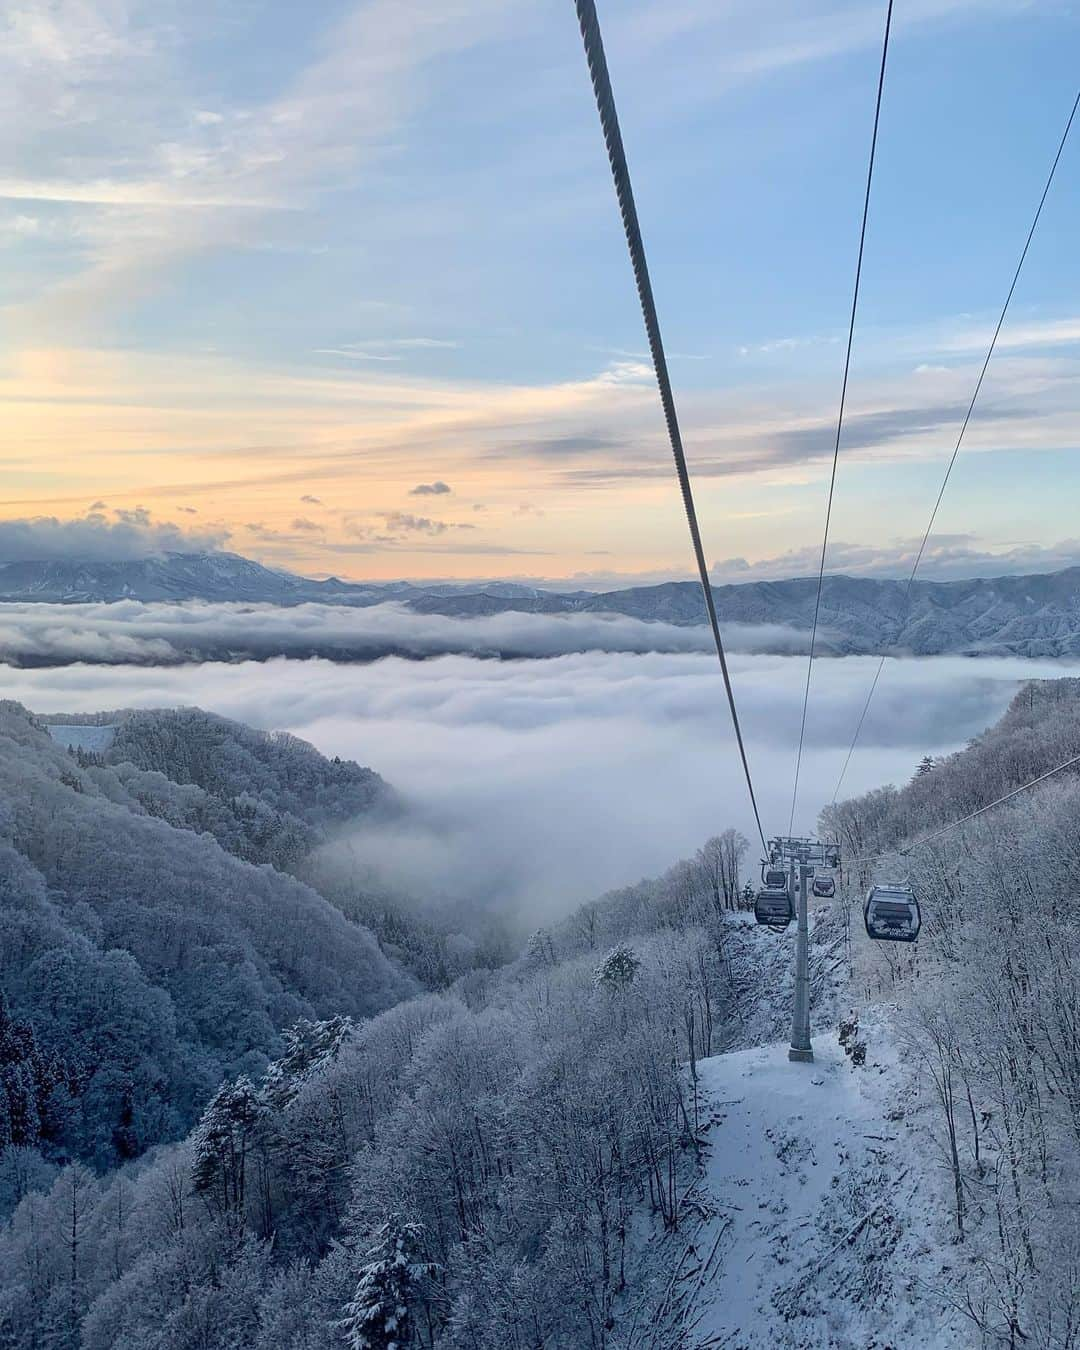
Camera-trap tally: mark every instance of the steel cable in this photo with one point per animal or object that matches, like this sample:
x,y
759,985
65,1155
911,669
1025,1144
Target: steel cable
x,y
843,401
959,441
609,121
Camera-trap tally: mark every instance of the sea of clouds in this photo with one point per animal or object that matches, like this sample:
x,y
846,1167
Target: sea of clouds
x,y
144,633
533,785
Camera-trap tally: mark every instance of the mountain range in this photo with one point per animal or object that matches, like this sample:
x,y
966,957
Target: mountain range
x,y
1034,616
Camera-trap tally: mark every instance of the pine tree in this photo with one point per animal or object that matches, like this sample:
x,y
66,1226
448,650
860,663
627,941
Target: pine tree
x,y
540,950
230,1128
308,1047
379,1314
617,970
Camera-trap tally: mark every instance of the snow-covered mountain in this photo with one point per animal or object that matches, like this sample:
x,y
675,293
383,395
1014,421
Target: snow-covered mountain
x,y
172,576
1035,616
1023,616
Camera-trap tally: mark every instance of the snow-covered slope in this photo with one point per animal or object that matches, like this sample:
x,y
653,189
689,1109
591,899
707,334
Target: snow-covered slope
x,y
823,1225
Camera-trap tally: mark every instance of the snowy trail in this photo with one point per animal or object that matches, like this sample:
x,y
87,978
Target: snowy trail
x,y
826,1231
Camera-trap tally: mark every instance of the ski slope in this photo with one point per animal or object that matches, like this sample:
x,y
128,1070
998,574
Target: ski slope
x,y
824,1223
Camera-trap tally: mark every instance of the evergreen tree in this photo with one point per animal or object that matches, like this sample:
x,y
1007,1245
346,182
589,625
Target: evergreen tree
x,y
230,1128
540,950
29,1081
308,1047
617,970
379,1314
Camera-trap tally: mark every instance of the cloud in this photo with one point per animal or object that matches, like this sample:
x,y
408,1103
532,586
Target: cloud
x,y
1061,332
787,344
307,526
557,447
382,349
403,520
947,557
160,632
310,500
796,439
133,535
436,489
188,510
585,771
354,354
192,182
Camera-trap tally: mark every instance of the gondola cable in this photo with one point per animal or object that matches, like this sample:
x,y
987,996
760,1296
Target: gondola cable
x,y
609,121
840,417
959,441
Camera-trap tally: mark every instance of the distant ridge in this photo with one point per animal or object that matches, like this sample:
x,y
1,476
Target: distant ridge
x,y
1032,616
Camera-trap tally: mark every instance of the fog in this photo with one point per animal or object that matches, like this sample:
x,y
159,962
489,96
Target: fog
x,y
148,633
536,784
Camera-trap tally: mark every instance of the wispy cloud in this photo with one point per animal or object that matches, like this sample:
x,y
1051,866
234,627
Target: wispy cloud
x,y
189,188
1060,332
355,354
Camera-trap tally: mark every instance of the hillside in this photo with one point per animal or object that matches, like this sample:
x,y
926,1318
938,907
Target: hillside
x,y
1025,616
1039,730
146,946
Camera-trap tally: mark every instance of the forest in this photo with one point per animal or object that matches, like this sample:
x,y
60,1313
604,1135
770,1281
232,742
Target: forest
x,y
233,1115
990,1004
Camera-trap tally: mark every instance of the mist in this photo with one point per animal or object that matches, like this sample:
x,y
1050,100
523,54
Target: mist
x,y
155,633
531,786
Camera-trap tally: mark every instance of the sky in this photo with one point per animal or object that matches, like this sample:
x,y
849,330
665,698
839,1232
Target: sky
x,y
343,287
536,785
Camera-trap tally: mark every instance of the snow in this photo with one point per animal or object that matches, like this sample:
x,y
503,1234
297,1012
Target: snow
x,y
92,738
823,1221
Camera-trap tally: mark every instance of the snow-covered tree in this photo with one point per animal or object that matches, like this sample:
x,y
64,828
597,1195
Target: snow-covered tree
x,y
617,970
232,1127
379,1316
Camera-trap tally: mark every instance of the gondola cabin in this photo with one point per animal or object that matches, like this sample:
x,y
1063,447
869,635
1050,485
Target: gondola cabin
x,y
773,907
774,877
824,886
892,914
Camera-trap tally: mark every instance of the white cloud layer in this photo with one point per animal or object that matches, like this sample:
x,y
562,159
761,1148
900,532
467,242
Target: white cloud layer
x,y
538,784
152,633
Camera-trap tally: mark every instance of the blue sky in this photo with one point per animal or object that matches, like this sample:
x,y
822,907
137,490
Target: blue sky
x,y
264,252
